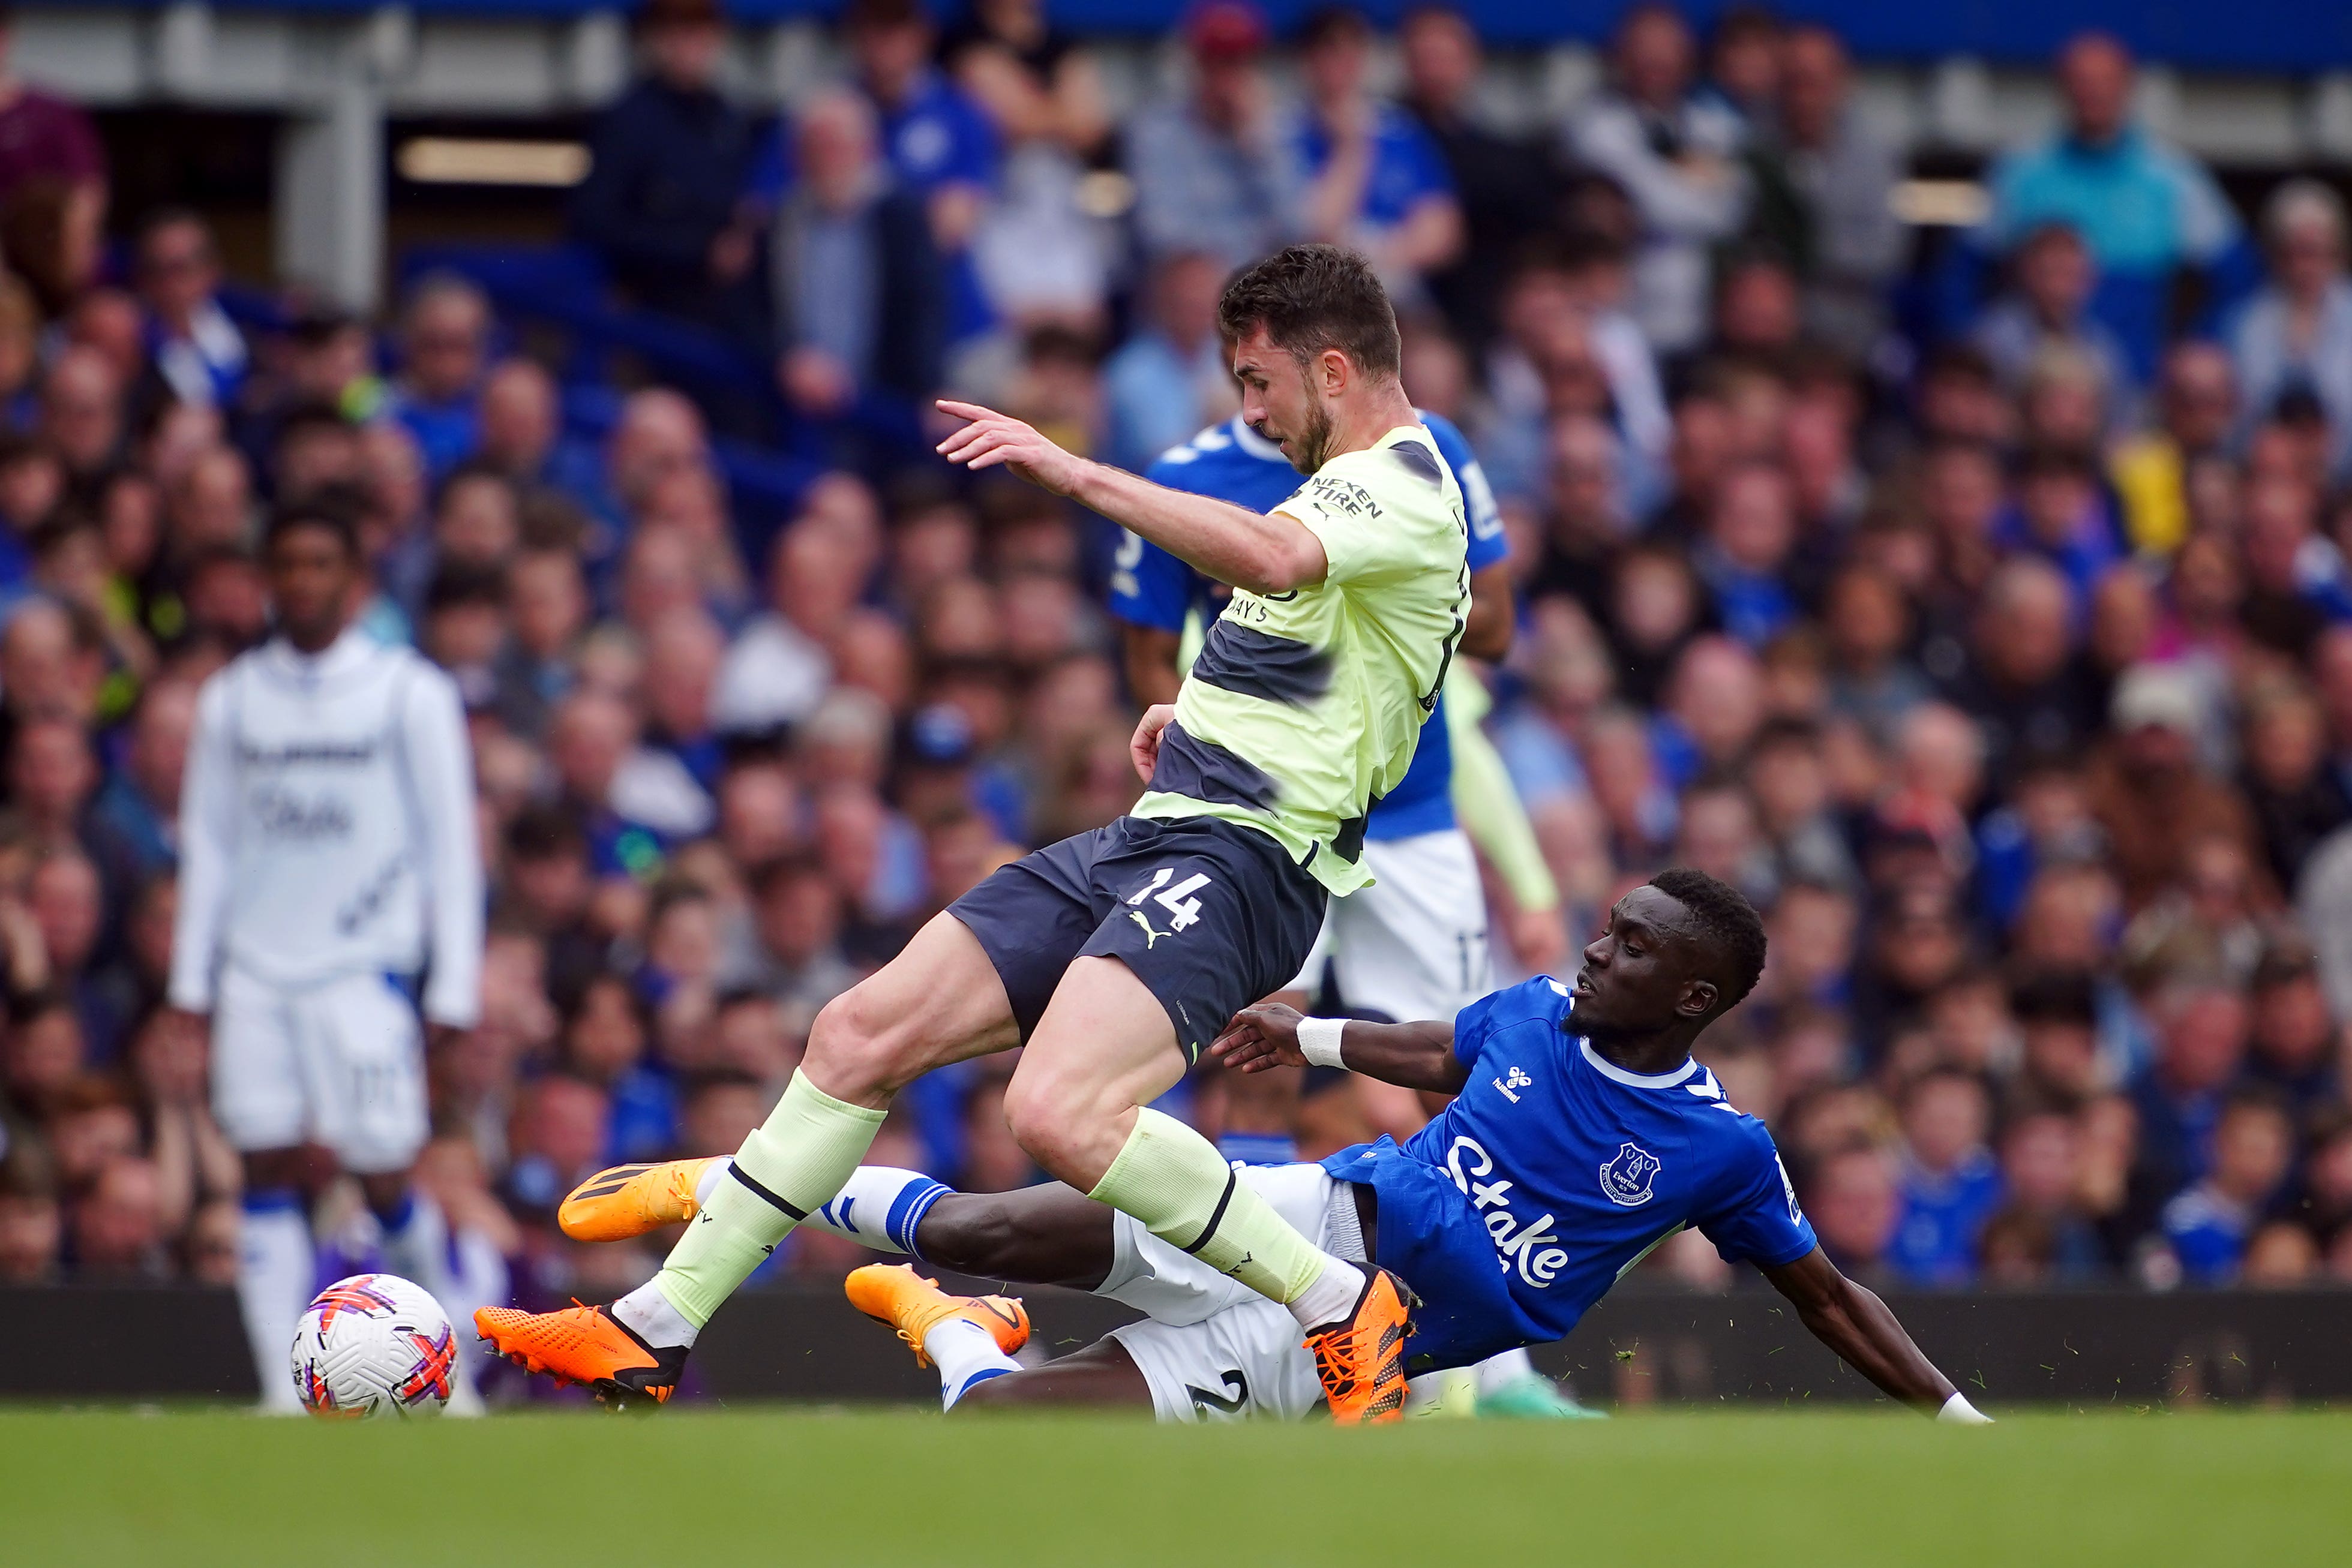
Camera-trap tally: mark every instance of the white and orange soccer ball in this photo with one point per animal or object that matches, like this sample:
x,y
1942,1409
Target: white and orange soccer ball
x,y
375,1345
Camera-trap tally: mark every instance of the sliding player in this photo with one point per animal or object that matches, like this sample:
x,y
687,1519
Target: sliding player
x,y
1117,955
1584,1133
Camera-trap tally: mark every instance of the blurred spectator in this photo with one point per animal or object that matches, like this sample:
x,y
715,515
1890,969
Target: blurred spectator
x,y
1950,1181
1844,170
2197,410
1041,250
861,296
2208,1225
444,335
1855,1208
940,144
777,670
53,185
2145,209
1502,183
197,349
1212,166
1675,153
1170,379
1376,182
2046,308
2147,792
2295,335
662,204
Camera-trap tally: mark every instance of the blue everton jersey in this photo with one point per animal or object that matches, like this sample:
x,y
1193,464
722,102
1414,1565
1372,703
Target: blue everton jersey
x,y
1231,462
1552,1174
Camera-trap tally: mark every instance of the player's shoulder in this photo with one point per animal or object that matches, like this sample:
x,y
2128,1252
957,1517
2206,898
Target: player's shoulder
x,y
1401,469
1713,1119
1452,444
418,676
1542,1001
1211,450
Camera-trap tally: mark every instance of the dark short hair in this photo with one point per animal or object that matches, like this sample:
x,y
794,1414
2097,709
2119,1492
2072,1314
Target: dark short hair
x,y
1327,24
542,831
1310,298
2055,997
315,513
1726,923
464,588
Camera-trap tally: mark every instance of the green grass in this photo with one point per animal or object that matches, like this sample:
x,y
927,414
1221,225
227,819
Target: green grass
x,y
762,1486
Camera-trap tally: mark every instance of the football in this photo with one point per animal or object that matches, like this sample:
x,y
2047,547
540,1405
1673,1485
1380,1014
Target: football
x,y
373,1346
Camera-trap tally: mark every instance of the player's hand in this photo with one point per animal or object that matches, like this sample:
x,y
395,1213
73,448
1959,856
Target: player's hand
x,y
1144,749
992,438
1260,1038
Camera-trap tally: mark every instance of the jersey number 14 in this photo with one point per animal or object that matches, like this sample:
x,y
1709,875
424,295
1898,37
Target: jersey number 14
x,y
1183,909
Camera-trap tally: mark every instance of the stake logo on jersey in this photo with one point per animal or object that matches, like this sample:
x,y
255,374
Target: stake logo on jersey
x,y
1568,1173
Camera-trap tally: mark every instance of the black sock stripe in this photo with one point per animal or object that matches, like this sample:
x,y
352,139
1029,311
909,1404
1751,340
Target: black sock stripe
x,y
1217,1214
735,1169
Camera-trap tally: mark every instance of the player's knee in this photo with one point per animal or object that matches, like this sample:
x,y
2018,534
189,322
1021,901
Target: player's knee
x,y
1048,1117
853,1050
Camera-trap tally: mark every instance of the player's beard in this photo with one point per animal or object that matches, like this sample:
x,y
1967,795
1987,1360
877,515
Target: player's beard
x,y
1315,440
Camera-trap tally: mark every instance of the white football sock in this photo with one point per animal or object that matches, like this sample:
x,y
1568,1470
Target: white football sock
x,y
880,1207
1497,1370
707,1182
1332,1297
649,1315
276,1275
965,1354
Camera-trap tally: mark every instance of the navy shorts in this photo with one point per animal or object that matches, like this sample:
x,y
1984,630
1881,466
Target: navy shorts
x,y
1211,916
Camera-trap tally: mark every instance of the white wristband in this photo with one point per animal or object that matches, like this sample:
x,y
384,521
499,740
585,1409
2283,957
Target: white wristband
x,y
1319,1042
1960,1413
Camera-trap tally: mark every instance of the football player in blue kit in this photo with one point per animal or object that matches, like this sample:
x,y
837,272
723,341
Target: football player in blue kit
x,y
1582,1133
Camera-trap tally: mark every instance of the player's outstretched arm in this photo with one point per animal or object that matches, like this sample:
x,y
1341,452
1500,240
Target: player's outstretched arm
x,y
1416,1055
1852,1321
1263,552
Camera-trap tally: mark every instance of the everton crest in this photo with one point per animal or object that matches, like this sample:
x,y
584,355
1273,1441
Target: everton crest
x,y
1626,1177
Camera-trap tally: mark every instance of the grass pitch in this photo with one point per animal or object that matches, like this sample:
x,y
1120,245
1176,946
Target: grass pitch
x,y
783,1486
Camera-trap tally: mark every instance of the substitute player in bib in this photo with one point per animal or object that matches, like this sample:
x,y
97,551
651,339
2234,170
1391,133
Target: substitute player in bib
x,y
1582,1134
327,864
1413,943
1117,955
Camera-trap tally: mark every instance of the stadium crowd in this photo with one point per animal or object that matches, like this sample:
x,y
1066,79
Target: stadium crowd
x,y
1985,615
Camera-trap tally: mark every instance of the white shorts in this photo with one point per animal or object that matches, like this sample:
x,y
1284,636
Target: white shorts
x,y
1413,945
1215,1350
340,1063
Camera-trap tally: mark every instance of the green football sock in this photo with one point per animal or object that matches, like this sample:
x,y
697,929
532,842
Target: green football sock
x,y
1174,1181
796,1161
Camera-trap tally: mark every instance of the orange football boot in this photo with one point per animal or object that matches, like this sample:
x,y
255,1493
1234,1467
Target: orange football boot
x,y
894,1293
586,1345
1361,1359
629,1200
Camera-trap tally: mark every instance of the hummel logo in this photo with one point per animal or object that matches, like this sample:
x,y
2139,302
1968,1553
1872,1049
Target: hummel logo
x,y
1518,1080
1150,938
